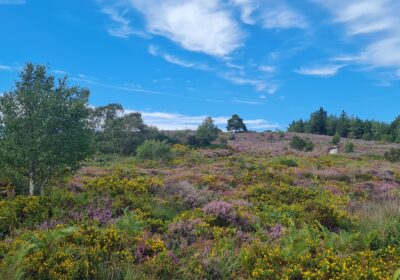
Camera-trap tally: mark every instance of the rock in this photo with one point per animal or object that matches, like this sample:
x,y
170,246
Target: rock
x,y
333,151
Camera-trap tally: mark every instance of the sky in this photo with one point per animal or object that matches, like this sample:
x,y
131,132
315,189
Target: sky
x,y
178,61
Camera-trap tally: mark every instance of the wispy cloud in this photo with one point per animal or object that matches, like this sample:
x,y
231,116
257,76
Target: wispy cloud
x,y
12,2
175,121
378,22
282,16
259,85
248,102
154,51
10,68
121,26
323,71
270,14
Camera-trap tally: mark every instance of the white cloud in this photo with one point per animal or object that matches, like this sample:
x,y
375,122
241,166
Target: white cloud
x,y
323,72
122,25
10,68
260,85
60,72
5,68
282,17
154,51
12,2
247,8
378,22
201,26
270,14
364,16
248,102
174,121
266,68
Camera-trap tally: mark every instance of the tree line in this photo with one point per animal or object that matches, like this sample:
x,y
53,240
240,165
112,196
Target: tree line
x,y
47,129
347,126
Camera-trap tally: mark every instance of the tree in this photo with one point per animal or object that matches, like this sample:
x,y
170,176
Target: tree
x,y
116,132
318,121
235,123
297,126
206,132
44,128
343,125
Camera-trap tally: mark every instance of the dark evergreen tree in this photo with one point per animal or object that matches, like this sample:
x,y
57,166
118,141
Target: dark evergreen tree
x,y
236,124
318,121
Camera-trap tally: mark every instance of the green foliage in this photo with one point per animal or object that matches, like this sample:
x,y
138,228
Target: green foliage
x,y
301,144
345,126
154,150
336,139
206,133
318,122
44,128
349,147
393,155
236,124
116,132
23,211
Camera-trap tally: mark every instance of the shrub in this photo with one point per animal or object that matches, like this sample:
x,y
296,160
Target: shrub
x,y
349,147
393,155
25,211
335,139
222,211
154,150
206,133
289,162
301,144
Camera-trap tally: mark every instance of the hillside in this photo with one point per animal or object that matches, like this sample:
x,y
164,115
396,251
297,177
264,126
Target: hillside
x,y
255,209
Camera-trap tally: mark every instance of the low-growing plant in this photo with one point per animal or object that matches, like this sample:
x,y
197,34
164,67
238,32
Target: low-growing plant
x,y
393,155
336,139
301,144
349,147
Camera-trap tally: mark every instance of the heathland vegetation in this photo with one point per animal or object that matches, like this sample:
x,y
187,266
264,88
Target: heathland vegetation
x,y
95,193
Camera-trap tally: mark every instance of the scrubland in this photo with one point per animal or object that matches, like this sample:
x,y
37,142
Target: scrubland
x,y
251,209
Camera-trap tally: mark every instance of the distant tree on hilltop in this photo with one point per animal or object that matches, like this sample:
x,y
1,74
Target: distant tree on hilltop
x,y
236,124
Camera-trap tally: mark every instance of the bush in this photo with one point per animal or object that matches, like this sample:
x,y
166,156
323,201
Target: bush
x,y
206,133
349,147
222,211
301,144
393,155
154,150
335,139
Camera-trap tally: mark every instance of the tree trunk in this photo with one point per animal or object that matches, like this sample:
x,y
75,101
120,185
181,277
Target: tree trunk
x,y
31,186
42,187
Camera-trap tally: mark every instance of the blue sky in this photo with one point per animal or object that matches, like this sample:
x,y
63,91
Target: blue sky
x,y
177,61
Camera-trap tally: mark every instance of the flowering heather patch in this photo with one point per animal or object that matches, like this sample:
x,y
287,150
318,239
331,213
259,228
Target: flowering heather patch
x,y
221,210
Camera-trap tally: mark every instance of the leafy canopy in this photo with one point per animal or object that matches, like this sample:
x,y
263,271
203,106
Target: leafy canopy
x,y
44,128
236,124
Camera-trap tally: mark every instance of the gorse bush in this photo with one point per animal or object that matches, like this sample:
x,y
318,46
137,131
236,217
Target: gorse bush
x,y
154,150
301,144
393,155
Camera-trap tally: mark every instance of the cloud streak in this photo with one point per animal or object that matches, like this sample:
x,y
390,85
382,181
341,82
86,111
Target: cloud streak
x,y
322,72
175,121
